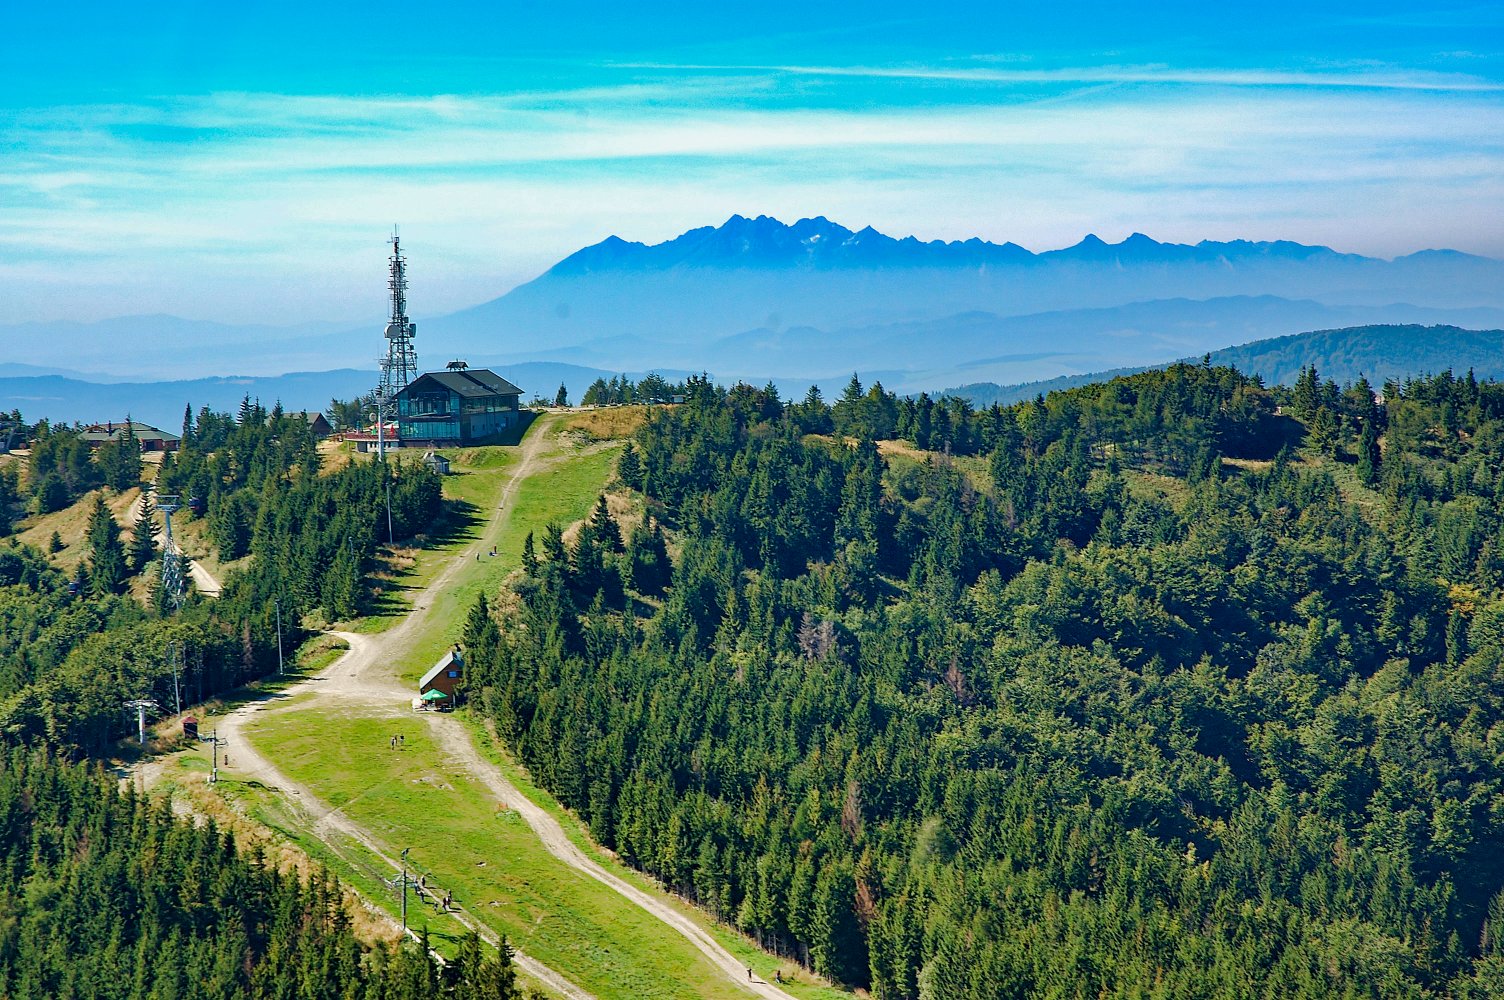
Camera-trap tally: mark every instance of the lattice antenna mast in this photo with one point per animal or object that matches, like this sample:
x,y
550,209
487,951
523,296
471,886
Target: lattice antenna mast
x,y
172,560
400,366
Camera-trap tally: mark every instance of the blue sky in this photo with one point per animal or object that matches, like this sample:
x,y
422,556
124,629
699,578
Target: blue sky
x,y
245,161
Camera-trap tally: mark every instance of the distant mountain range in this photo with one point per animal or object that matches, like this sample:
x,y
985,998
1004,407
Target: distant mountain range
x,y
814,301
820,286
1378,353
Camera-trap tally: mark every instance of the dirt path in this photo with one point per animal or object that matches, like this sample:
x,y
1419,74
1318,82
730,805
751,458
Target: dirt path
x,y
455,739
361,678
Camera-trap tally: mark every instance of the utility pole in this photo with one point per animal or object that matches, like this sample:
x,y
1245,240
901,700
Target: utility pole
x,y
177,695
216,743
390,538
404,888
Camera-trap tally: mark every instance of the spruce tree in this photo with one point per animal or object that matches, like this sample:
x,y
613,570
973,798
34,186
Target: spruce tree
x,y
604,527
1370,459
143,542
629,467
561,398
107,569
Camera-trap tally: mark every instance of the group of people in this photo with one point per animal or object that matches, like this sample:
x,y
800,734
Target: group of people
x,y
444,902
398,742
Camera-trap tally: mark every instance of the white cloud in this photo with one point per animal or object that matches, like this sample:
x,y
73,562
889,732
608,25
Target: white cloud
x,y
197,204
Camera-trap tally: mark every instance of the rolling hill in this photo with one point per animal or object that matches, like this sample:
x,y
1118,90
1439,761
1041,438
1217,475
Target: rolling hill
x,y
1377,352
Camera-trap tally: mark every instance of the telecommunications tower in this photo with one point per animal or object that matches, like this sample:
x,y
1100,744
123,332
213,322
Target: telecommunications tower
x,y
400,366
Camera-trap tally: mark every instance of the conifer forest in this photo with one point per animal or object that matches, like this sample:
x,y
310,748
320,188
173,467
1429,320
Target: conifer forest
x,y
1169,686
1174,685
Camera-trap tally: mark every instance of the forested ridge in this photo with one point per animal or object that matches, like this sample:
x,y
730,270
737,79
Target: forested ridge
x,y
70,655
107,895
103,893
1167,686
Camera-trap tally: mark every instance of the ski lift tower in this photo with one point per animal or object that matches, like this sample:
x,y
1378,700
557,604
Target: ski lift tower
x,y
172,563
142,706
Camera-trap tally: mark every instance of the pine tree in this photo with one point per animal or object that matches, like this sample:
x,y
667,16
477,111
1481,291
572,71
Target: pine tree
x,y
629,467
604,527
529,555
55,543
1370,459
187,441
107,568
143,531
561,398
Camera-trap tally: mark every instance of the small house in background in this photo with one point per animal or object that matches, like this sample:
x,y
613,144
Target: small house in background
x,y
366,441
316,422
438,463
190,728
445,676
148,437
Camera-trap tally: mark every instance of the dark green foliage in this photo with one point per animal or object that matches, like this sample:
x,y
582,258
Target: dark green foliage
x,y
10,498
561,398
107,895
67,660
1370,458
1109,720
61,468
51,494
143,543
629,467
107,567
120,461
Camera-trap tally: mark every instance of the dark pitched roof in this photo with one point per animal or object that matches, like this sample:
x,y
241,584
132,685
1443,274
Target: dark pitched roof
x,y
470,382
449,659
114,431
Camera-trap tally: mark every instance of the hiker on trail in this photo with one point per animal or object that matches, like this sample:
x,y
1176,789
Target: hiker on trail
x,y
749,975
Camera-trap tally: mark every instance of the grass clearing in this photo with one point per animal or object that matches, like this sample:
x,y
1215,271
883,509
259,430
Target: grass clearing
x,y
563,493
472,489
463,842
611,423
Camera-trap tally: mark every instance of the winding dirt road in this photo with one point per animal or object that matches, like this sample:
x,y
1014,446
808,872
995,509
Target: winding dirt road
x,y
361,680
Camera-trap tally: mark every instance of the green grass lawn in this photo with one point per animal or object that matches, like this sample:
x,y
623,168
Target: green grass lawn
x,y
488,857
498,870
563,493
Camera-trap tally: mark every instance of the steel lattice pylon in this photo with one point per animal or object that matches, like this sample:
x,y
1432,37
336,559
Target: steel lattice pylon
x,y
172,560
400,366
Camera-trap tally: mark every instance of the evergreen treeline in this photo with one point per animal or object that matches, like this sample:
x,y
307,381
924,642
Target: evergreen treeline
x,y
653,388
108,896
1093,714
69,656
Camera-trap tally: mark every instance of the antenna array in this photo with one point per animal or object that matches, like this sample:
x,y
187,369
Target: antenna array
x,y
400,366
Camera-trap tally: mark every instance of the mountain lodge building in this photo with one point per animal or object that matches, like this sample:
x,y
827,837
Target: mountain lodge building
x,y
457,406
